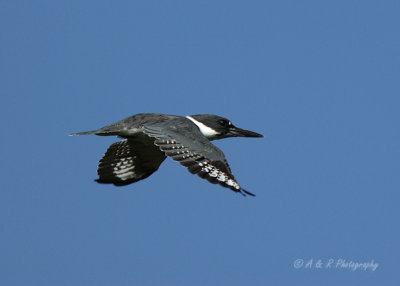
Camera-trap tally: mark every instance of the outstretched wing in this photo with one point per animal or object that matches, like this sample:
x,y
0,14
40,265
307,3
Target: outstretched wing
x,y
129,161
183,142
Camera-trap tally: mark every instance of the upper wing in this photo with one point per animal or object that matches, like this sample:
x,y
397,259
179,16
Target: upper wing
x,y
129,161
191,149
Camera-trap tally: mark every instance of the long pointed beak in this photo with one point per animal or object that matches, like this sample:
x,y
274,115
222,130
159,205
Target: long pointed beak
x,y
238,132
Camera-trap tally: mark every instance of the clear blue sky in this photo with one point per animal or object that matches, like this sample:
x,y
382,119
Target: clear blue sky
x,y
321,81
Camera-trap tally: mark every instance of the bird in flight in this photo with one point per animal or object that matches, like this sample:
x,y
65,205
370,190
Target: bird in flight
x,y
151,137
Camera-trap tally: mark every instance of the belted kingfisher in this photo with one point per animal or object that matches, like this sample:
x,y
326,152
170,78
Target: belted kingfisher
x,y
151,137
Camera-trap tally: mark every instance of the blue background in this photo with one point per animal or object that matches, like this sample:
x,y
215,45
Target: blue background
x,y
319,79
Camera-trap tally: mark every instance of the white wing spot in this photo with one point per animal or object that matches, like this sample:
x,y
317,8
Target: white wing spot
x,y
214,173
222,177
231,182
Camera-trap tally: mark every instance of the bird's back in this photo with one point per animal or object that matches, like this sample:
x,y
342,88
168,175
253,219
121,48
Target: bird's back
x,y
131,125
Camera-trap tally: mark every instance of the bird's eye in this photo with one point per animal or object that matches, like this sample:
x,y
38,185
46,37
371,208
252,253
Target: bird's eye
x,y
223,123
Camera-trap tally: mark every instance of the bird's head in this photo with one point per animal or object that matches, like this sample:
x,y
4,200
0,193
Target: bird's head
x,y
216,127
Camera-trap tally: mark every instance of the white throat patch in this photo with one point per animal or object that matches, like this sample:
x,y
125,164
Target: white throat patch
x,y
207,131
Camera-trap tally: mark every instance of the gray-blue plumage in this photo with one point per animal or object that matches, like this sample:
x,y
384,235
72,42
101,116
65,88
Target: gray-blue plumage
x,y
151,137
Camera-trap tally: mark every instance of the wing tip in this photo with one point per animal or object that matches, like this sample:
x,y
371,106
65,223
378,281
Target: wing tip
x,y
245,193
114,182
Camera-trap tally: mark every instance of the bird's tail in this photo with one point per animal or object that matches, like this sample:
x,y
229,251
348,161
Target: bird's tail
x,y
84,133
